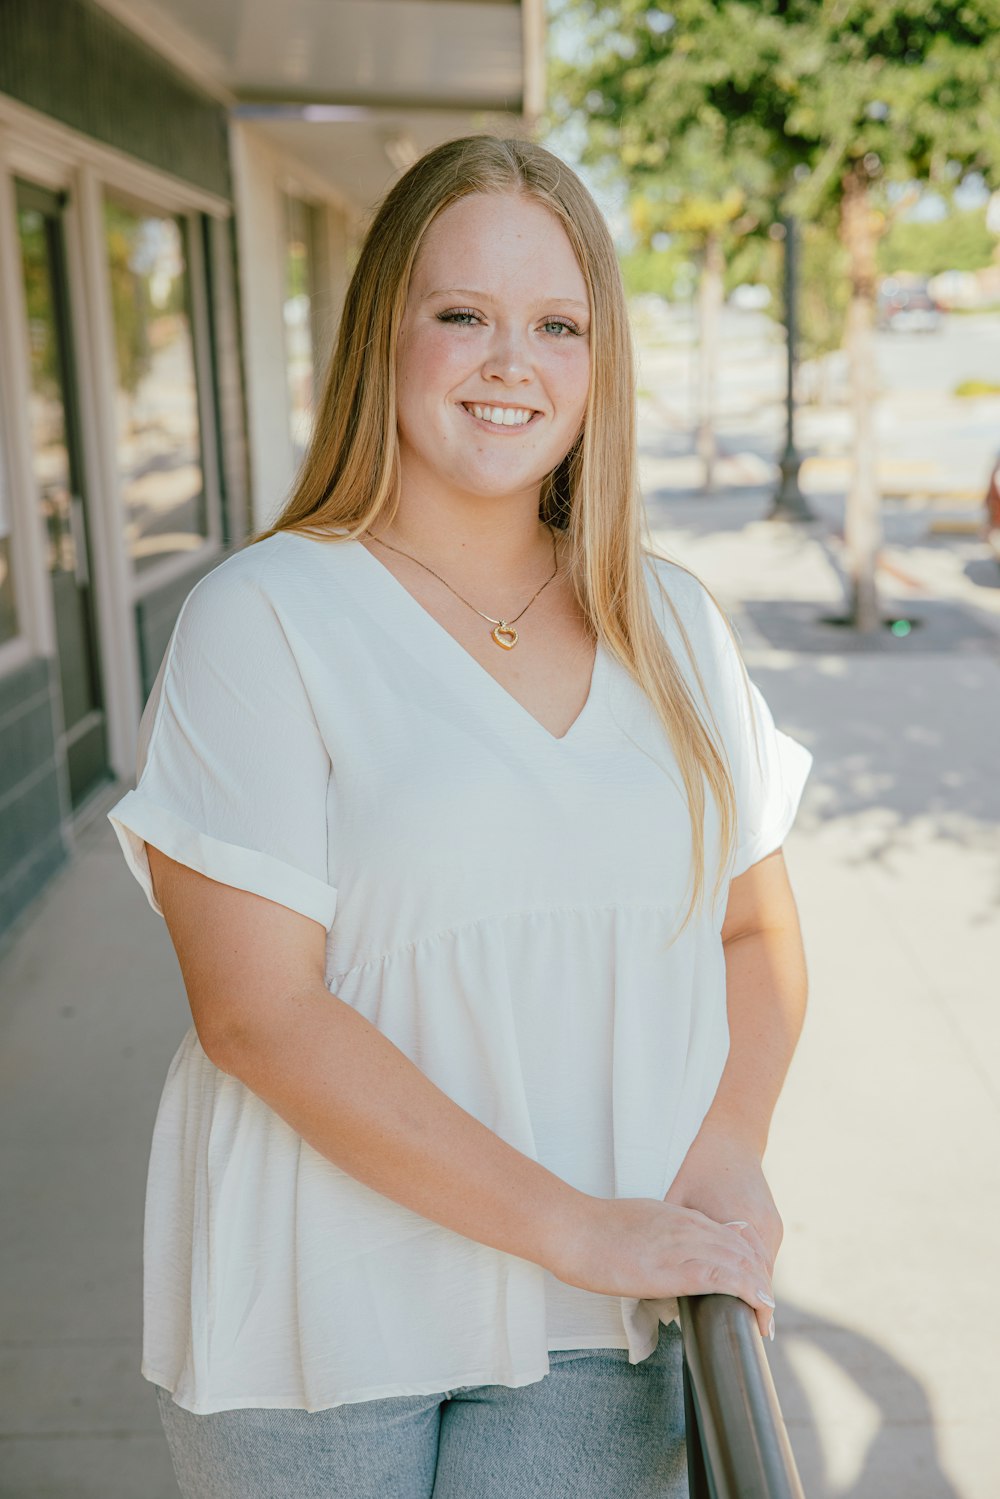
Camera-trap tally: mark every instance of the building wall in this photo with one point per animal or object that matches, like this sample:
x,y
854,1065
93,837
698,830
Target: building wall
x,y
87,109
230,396
32,843
262,177
102,110
73,62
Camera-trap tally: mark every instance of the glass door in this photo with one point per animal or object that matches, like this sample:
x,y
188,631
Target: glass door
x,y
55,437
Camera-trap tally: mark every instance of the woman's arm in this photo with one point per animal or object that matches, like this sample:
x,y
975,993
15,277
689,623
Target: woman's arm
x,y
766,988
254,975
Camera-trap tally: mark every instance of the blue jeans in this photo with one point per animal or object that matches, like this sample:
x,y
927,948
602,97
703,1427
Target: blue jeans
x,y
595,1427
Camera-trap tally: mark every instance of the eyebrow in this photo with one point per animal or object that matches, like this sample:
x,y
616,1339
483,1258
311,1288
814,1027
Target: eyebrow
x,y
483,296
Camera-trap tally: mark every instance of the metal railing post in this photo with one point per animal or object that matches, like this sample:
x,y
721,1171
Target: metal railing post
x,y
738,1447
698,1484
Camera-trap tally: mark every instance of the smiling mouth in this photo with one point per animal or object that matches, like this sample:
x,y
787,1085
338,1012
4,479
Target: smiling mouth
x,y
505,417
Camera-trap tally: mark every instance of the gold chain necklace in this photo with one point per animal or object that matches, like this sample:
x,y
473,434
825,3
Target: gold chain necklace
x,y
504,634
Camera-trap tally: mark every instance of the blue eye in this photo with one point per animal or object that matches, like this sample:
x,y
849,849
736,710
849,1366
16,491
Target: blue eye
x,y
464,317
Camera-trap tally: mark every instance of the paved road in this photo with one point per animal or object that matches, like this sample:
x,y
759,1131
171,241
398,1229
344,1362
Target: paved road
x,y
928,438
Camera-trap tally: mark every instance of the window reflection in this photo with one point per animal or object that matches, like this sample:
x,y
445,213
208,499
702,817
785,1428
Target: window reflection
x,y
300,272
8,602
159,437
47,405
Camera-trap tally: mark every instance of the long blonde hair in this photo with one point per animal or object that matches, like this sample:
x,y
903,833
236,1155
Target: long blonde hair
x,y
350,477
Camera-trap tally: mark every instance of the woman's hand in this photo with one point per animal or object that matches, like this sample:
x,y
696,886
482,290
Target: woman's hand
x,y
721,1176
641,1247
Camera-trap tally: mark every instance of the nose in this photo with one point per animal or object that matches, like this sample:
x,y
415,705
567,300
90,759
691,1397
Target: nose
x,y
508,359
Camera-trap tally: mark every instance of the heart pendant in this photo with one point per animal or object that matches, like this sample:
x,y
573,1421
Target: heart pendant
x,y
505,636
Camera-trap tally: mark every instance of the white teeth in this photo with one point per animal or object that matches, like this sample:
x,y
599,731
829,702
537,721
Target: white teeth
x,y
503,416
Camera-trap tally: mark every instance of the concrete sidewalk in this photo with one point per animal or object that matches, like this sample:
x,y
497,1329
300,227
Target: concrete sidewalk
x,y
884,1156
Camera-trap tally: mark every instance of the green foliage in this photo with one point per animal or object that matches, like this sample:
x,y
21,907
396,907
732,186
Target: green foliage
x,y
807,89
756,261
723,113
39,299
823,288
146,269
668,272
129,299
824,292
959,242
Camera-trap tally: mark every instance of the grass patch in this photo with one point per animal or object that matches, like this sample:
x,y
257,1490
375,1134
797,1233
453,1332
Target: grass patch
x,y
977,388
984,310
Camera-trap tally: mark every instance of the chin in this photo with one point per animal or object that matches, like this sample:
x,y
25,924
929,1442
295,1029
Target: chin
x,y
497,486
523,476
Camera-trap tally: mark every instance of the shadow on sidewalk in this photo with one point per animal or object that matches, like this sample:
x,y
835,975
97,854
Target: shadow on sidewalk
x,y
900,1455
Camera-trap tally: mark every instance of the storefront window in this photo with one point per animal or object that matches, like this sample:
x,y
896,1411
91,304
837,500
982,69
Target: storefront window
x,y
300,270
8,606
159,434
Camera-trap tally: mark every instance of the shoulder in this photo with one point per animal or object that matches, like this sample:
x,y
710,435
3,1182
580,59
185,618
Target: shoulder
x,y
677,593
699,631
244,618
251,590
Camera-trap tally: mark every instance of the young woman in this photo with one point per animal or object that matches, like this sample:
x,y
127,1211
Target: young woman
x,y
466,824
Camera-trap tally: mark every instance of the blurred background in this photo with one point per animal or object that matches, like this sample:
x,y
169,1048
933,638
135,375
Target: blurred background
x,y
806,201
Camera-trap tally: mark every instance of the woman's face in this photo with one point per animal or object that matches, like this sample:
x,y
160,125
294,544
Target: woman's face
x,y
493,360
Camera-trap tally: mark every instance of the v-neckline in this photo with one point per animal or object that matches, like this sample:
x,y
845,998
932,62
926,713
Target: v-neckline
x,y
475,669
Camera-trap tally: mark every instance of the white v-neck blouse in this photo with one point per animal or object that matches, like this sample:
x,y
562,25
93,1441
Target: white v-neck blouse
x,y
498,901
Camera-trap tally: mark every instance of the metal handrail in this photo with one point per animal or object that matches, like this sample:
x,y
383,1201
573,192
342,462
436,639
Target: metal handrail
x,y
737,1444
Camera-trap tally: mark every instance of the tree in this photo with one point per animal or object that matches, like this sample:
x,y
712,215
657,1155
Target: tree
x,y
823,287
956,242
703,188
840,98
706,201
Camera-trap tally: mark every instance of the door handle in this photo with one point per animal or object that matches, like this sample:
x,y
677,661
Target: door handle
x,y
78,526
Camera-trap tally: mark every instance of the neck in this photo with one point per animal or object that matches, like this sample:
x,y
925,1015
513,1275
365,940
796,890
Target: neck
x,y
506,539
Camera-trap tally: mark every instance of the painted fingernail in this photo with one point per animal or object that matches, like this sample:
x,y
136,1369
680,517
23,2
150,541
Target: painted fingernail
x,y
766,1299
770,1329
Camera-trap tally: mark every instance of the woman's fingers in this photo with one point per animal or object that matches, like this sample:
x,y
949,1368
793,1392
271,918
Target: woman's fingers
x,y
733,1248
738,1237
741,1269
765,1319
754,1238
733,1277
755,1288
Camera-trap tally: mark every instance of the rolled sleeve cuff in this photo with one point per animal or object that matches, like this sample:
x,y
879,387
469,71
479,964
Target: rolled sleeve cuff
x,y
136,819
796,763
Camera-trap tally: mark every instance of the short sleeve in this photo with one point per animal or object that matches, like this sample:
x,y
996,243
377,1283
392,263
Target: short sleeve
x,y
232,772
769,767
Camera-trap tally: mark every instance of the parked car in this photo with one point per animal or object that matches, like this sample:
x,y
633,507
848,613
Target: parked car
x,y
907,307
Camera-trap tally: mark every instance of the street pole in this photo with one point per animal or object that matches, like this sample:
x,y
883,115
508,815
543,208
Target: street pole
x,y
789,502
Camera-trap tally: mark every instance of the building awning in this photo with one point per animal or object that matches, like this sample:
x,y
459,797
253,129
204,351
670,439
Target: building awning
x,y
356,89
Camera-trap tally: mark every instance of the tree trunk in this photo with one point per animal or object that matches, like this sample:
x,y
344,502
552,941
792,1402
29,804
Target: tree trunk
x,y
709,306
862,519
